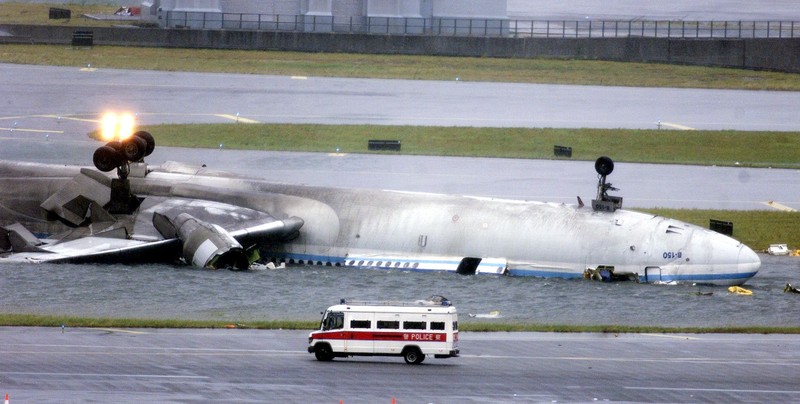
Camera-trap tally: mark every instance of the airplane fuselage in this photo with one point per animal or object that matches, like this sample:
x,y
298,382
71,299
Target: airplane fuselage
x,y
426,232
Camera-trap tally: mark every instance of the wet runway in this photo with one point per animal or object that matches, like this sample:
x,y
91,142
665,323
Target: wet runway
x,y
179,366
179,97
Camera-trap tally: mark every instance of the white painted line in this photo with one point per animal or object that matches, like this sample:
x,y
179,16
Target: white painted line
x,y
715,390
237,118
102,375
32,130
670,336
675,126
120,330
299,78
68,118
776,205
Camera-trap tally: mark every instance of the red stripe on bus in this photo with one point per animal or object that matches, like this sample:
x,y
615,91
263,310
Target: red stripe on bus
x,y
382,336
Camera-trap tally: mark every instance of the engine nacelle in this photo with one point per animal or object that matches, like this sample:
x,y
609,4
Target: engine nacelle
x,y
206,245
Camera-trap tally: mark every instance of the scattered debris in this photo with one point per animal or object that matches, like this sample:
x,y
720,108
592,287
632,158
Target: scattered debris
x,y
790,289
128,11
606,274
491,314
738,290
778,249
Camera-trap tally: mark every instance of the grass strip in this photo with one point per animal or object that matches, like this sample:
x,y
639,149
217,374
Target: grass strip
x,y
35,320
32,320
756,229
511,70
722,148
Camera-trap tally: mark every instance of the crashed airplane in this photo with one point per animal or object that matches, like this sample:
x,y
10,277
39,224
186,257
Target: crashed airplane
x,y
176,213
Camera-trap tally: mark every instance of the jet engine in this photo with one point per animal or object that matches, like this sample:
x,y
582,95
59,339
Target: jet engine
x,y
205,245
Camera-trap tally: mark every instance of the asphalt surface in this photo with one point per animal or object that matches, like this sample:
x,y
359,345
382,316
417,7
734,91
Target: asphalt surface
x,y
103,365
176,97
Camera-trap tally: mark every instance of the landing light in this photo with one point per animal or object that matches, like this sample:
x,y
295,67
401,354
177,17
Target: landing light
x,y
117,126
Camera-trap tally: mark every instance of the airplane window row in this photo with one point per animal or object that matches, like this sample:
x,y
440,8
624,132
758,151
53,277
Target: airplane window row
x,y
387,264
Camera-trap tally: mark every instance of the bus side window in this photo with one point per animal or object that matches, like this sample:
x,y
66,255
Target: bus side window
x,y
413,325
437,325
360,324
334,321
386,324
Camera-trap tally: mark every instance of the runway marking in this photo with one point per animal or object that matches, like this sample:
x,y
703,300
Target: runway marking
x,y
654,360
53,116
102,375
88,69
299,78
32,130
675,126
715,390
671,336
236,118
69,118
776,205
121,330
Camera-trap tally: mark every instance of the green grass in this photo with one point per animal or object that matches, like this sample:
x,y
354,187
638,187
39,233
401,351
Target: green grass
x,y
31,320
400,67
723,148
756,229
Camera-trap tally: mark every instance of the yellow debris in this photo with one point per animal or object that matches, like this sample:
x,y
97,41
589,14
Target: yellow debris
x,y
739,290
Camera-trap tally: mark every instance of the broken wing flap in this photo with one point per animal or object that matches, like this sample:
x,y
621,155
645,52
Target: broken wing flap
x,y
208,245
16,238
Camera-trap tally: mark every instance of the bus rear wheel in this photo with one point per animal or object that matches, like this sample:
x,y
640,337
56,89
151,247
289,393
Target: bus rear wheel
x,y
413,356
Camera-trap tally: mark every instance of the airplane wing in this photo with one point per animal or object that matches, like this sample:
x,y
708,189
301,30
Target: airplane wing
x,y
158,229
95,249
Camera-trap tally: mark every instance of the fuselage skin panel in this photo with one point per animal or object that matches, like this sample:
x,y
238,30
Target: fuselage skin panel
x,y
412,231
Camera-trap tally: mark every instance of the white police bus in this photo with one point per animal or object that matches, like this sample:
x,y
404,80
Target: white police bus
x,y
408,329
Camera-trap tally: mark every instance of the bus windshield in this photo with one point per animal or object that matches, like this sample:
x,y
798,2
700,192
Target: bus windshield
x,y
333,320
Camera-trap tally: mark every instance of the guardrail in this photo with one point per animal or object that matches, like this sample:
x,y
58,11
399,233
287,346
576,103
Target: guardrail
x,y
361,25
484,27
655,29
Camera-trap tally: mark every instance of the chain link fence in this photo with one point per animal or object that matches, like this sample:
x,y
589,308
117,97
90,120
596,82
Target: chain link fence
x,y
483,27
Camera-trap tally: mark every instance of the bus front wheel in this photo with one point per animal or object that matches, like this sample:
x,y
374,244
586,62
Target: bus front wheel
x,y
323,353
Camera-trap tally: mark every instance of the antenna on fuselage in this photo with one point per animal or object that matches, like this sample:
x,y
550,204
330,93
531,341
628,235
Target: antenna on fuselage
x,y
605,202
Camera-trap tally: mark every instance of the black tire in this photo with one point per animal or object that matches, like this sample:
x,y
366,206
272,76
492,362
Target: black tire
x,y
149,140
106,158
413,356
133,148
604,165
323,353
